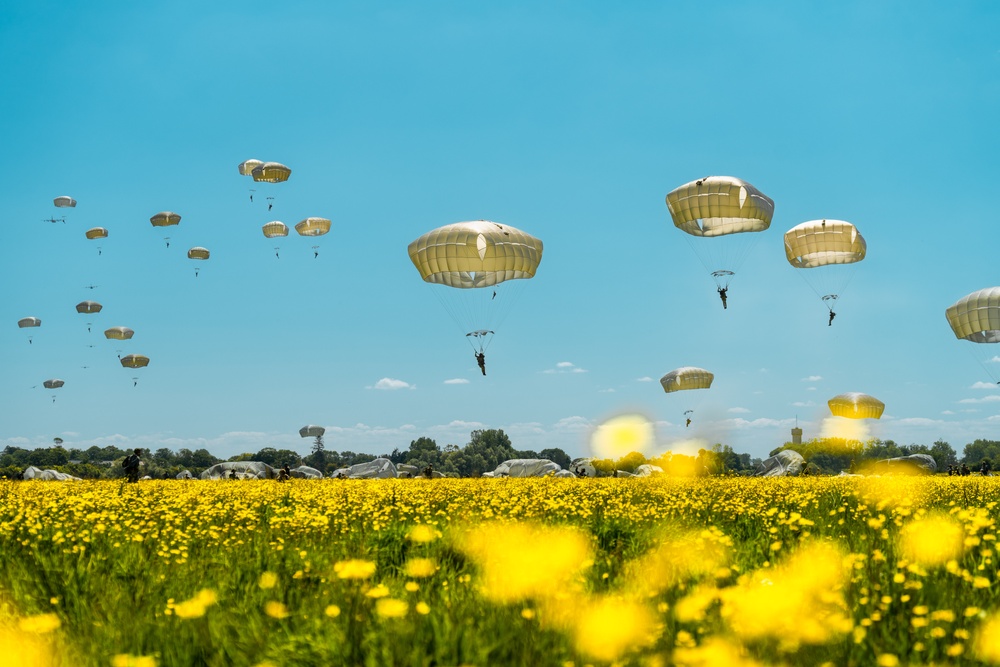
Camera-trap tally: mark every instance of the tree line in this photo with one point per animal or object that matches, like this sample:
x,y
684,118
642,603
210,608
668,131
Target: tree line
x,y
486,449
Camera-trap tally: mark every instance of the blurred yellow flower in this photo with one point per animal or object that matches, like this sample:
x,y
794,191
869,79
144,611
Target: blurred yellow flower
x,y
354,569
714,652
986,643
933,540
268,580
333,611
520,560
419,568
422,534
39,624
622,435
196,606
412,586
125,660
887,660
422,608
607,628
275,609
391,608
379,591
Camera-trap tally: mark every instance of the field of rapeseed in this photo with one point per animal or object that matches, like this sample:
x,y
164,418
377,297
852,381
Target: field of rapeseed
x,y
717,571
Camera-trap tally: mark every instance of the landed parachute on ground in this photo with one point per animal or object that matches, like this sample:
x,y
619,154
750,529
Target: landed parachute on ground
x,y
64,202
976,318
239,470
482,261
721,213
825,247
855,405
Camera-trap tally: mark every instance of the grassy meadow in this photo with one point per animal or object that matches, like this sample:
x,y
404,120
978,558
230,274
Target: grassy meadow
x,y
659,571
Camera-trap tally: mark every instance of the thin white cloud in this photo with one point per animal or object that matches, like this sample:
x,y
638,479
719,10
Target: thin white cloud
x,y
985,399
947,412
760,422
574,423
739,411
606,391
984,385
803,404
644,379
919,421
810,388
456,381
565,367
391,384
812,378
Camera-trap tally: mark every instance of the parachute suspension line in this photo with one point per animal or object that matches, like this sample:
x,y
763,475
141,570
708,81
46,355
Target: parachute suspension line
x,y
981,359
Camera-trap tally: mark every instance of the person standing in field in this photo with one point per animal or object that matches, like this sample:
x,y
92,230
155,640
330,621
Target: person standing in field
x,y
131,465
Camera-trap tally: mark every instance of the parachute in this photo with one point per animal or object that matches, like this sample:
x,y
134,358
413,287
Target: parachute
x,y
312,431
313,227
165,219
686,377
270,172
247,166
720,212
976,318
96,233
855,405
88,307
53,384
135,361
118,333
823,246
198,253
483,262
29,323
64,202
275,229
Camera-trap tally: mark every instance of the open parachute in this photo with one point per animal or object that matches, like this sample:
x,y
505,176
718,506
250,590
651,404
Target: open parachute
x,y
855,405
719,215
482,263
828,249
976,318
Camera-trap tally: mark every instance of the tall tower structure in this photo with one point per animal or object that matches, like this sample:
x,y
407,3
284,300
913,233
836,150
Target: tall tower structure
x,y
796,433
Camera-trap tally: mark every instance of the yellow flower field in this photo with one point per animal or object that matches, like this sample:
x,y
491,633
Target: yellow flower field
x,y
712,571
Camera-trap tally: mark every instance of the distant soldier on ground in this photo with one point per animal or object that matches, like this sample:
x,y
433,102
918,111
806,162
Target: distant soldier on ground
x,y
428,472
965,472
284,474
985,468
131,465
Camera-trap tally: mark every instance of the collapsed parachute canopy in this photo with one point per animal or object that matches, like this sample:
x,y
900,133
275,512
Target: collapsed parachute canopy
x,y
274,229
64,202
313,227
271,172
135,361
855,405
823,243
247,166
719,205
96,233
976,317
165,218
311,431
686,377
29,322
198,253
53,384
475,254
118,333
88,307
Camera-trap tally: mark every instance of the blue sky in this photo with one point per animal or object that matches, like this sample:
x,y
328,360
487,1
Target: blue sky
x,y
570,121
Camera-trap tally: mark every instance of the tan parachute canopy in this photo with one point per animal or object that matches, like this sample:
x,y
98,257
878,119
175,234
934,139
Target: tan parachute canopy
x,y
719,205
824,242
118,333
475,254
97,233
686,377
88,307
855,405
29,322
311,431
313,227
976,317
64,202
165,218
134,361
53,384
275,228
247,166
271,172
198,253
